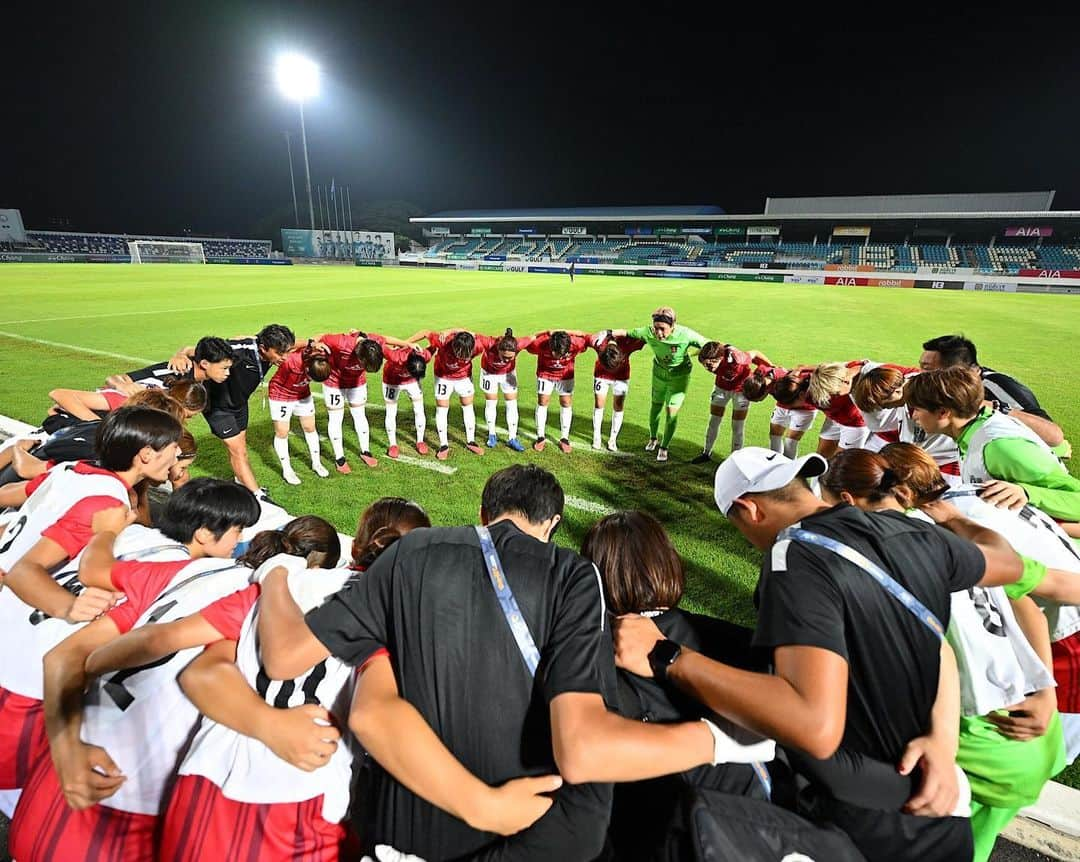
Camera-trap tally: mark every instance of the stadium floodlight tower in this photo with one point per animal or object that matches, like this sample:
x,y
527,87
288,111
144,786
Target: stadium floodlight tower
x,y
298,80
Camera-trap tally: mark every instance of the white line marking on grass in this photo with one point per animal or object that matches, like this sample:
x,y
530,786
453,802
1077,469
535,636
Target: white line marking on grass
x,y
75,347
588,506
428,465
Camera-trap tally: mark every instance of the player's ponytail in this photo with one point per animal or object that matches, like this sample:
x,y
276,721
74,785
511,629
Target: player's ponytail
x,y
507,343
866,475
922,477
383,523
309,536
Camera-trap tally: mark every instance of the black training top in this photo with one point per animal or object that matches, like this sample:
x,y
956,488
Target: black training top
x,y
809,596
247,372
158,375
1008,390
429,601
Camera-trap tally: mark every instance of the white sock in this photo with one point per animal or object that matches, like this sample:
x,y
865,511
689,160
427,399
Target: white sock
x,y
711,433
359,418
491,414
616,424
281,446
335,420
512,418
776,442
468,412
738,430
597,423
791,447
312,440
541,421
391,423
566,416
419,419
440,424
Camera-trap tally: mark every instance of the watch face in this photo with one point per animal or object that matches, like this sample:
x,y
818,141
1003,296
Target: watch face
x,y
662,655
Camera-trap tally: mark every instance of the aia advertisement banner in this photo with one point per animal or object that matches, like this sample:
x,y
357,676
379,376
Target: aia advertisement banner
x,y
1029,231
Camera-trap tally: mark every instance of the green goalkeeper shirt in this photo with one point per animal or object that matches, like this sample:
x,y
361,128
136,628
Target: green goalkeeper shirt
x,y
672,353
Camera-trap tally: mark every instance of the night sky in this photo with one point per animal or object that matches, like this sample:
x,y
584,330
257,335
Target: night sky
x,y
153,119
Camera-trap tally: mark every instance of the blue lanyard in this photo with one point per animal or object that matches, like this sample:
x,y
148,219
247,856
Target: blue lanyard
x,y
871,568
518,627
763,776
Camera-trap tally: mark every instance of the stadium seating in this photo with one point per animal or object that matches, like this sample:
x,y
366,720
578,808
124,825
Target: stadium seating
x,y
97,243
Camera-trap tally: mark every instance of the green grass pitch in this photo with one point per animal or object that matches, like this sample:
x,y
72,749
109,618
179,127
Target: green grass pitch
x,y
55,317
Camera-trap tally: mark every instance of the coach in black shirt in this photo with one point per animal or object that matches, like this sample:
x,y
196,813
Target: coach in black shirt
x,y
430,602
227,406
855,672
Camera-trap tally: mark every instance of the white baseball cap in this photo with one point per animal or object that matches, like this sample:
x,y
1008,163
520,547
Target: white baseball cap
x,y
754,469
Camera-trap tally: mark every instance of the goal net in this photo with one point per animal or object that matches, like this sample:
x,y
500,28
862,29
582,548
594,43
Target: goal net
x,y
156,251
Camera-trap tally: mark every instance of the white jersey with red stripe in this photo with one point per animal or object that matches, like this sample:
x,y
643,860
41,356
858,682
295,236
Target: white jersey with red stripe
x,y
64,488
39,633
243,767
140,715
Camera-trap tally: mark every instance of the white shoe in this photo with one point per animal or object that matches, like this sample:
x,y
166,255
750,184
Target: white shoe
x,y
611,446
320,470
651,445
661,454
596,443
291,477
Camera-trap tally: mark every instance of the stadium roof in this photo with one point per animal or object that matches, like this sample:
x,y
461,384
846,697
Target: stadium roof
x,y
927,204
570,213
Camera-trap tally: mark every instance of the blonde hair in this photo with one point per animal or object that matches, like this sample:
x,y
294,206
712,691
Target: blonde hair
x,y
826,381
667,311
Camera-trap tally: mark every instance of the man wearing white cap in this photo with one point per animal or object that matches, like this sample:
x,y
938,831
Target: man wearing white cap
x,y
856,656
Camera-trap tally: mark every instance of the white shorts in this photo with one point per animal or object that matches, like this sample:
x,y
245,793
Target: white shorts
x,y
544,386
412,389
282,411
793,420
462,388
504,383
721,397
601,385
850,438
336,399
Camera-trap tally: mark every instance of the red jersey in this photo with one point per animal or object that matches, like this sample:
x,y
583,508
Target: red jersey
x,y
491,361
842,410
552,367
290,382
447,365
734,368
627,345
393,372
346,371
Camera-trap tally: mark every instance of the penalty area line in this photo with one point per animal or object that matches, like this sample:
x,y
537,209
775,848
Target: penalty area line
x,y
588,506
434,466
74,347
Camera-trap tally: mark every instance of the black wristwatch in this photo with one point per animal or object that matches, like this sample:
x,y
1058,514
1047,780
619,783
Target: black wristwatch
x,y
663,656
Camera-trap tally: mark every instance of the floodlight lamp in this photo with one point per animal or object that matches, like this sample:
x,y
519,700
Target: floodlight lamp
x,y
297,77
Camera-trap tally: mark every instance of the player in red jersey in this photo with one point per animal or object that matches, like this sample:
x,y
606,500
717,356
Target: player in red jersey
x,y
101,750
829,389
353,355
498,372
455,350
611,373
53,526
404,369
555,352
731,367
787,424
290,393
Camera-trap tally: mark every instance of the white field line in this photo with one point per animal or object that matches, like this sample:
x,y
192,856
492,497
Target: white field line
x,y
428,465
588,506
75,347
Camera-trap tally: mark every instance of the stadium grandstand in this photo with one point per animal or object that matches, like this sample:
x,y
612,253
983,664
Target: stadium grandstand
x,y
992,234
59,242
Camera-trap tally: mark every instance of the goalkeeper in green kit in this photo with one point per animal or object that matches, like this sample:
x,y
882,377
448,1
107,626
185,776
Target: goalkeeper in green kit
x,y
671,344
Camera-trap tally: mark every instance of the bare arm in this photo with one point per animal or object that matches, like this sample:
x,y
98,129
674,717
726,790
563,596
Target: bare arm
x,y
1030,718
98,559
216,686
417,337
403,743
13,494
1059,586
759,358
286,643
79,403
1050,432
181,360
593,744
30,580
147,644
65,681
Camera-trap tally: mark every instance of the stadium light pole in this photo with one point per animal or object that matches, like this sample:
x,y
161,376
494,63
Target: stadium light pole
x,y
292,182
298,79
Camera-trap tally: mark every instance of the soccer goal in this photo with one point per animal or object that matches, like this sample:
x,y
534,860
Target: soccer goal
x,y
156,251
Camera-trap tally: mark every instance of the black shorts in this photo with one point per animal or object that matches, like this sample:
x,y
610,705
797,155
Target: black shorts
x,y
227,423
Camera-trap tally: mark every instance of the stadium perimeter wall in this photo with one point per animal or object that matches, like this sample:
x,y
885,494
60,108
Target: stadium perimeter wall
x,y
926,278
58,257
